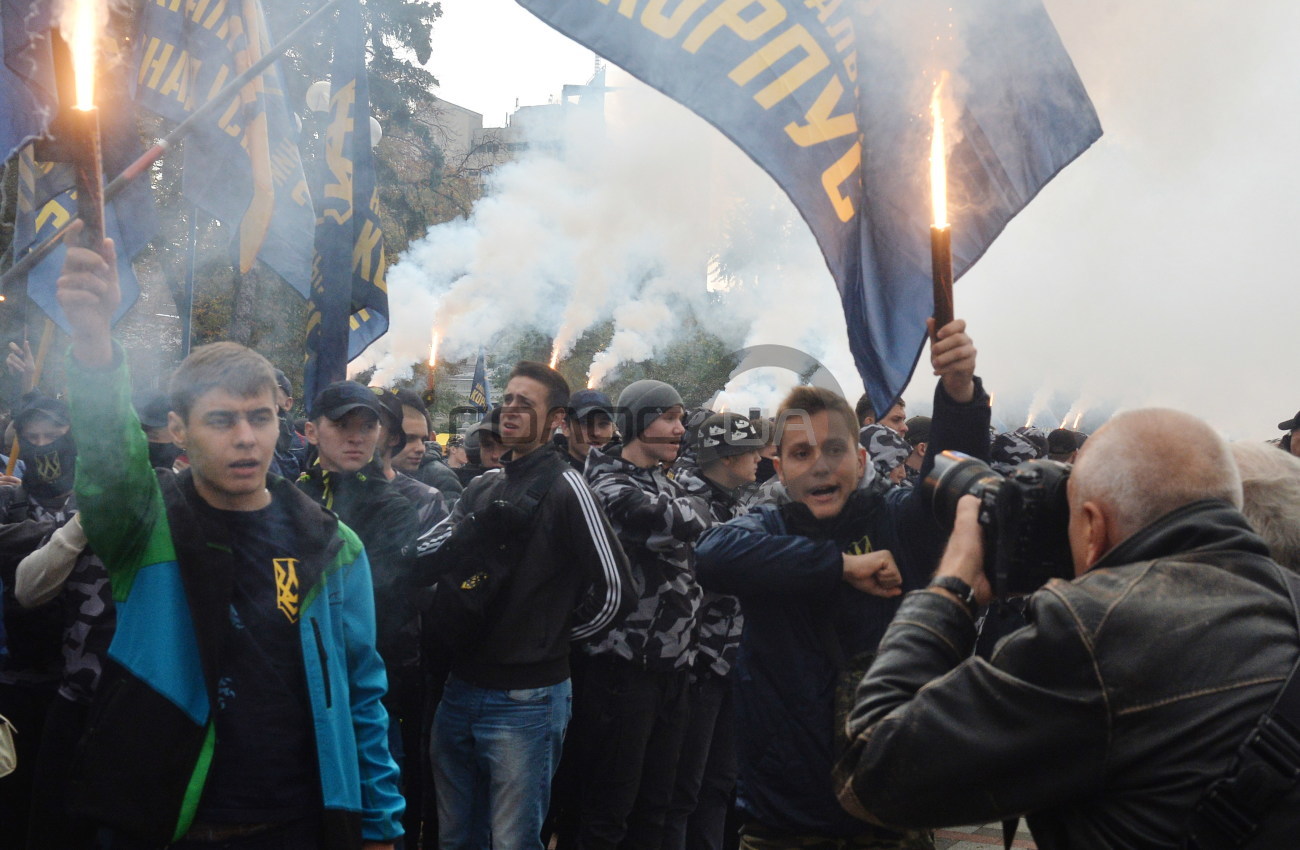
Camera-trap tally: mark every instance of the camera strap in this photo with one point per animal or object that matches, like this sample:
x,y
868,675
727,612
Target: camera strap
x,y
1265,770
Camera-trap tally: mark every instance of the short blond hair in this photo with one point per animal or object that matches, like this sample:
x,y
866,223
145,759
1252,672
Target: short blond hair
x,y
228,366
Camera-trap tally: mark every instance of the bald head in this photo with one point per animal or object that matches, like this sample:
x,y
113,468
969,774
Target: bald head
x,y
1145,463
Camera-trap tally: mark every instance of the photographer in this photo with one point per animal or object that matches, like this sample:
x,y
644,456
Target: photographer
x,y
1130,692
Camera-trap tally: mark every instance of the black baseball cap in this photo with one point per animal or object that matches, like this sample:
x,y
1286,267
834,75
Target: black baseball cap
x,y
341,398
152,406
1062,441
1291,424
282,381
583,403
39,404
390,409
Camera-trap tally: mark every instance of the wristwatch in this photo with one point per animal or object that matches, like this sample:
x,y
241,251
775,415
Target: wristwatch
x,y
958,588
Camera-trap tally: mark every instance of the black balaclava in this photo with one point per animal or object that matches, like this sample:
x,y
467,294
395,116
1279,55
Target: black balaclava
x,y
163,455
48,470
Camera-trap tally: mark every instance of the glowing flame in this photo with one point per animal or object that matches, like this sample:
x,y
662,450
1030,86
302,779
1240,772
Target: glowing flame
x,y
938,158
591,382
1077,420
433,350
1029,420
86,25
555,355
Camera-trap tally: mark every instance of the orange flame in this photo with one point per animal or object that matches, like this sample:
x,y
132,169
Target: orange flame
x,y
433,351
591,383
938,158
555,355
1077,420
86,25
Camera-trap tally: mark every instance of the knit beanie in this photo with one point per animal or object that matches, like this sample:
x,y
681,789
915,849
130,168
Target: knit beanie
x,y
641,403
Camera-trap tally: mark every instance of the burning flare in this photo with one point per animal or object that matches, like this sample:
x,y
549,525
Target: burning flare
x,y
87,21
555,354
433,351
938,157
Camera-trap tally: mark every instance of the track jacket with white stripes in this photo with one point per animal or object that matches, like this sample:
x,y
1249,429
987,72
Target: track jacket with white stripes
x,y
571,584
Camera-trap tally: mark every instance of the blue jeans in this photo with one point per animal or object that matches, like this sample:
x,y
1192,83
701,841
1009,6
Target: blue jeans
x,y
494,754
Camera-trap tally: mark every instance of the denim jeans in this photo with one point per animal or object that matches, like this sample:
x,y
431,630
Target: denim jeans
x,y
494,754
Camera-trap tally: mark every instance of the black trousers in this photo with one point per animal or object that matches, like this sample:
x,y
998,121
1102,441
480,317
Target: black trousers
x,y
631,724
706,772
50,824
25,706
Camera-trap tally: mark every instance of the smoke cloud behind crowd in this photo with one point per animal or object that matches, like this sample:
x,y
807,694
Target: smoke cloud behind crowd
x,y
1154,270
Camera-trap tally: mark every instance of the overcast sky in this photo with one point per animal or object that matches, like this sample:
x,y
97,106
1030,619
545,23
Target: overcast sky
x,y
1157,269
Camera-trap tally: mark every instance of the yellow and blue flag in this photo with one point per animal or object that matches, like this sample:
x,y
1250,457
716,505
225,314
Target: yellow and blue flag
x,y
241,165
28,98
831,98
46,200
480,395
348,307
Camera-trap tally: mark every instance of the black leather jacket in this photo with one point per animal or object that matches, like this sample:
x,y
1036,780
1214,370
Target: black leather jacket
x,y
1105,718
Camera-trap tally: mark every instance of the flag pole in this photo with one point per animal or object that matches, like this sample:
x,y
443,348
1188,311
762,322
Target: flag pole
x,y
187,321
34,256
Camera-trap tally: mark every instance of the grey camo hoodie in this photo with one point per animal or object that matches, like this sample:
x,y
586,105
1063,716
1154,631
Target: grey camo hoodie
x,y
657,522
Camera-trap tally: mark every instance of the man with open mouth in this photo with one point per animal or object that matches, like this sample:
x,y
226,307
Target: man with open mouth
x,y
819,579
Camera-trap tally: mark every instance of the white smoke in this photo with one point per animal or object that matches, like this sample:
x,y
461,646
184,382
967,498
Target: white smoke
x,y
1151,271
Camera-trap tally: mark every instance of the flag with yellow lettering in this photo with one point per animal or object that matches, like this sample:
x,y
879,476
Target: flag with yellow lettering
x,y
45,204
831,98
242,165
45,198
348,308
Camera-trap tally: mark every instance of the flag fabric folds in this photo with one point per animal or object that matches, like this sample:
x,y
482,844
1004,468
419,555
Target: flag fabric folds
x,y
348,306
480,395
831,99
242,165
27,92
46,199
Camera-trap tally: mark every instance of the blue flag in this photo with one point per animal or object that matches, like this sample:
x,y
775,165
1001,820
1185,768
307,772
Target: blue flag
x,y
242,164
348,306
27,93
479,394
831,99
46,200
45,204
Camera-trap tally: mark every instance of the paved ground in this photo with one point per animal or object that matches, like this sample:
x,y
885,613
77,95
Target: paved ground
x,y
979,837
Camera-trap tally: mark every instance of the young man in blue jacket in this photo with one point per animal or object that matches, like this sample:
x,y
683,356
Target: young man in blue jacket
x,y
818,579
240,704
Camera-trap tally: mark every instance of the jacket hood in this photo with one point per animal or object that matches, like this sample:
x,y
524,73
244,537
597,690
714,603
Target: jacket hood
x,y
1209,525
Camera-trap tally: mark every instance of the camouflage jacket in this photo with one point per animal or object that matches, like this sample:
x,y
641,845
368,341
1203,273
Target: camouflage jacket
x,y
657,522
89,618
720,619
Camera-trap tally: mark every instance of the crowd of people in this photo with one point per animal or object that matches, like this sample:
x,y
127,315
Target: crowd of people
x,y
621,624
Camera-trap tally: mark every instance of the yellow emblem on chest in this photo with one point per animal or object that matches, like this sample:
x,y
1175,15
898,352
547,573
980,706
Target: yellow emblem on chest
x,y
286,587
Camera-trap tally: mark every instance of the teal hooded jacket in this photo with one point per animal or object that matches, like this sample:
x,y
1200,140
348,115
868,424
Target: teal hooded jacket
x,y
143,761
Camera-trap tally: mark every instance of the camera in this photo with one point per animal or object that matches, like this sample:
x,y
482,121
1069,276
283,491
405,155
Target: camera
x,y
1024,515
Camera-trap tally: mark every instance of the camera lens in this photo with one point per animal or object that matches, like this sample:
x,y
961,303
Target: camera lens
x,y
955,475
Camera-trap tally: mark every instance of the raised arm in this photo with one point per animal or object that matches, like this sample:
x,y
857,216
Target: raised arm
x,y
117,491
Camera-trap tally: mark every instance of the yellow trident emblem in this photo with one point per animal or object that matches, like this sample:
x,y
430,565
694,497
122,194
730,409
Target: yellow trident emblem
x,y
286,587
48,467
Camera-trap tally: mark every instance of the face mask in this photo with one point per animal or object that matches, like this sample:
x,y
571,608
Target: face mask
x,y
163,455
50,469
